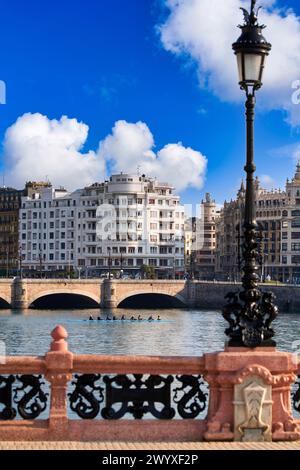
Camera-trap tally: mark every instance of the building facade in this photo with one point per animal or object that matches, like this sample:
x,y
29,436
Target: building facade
x,y
128,225
278,219
200,241
10,202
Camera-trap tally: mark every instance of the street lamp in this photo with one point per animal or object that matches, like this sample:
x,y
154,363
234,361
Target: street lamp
x,y
21,262
109,262
250,312
41,264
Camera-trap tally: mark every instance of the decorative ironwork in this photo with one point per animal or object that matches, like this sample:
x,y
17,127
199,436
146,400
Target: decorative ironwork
x,y
33,400
192,402
82,399
251,19
29,398
125,390
137,395
6,400
296,395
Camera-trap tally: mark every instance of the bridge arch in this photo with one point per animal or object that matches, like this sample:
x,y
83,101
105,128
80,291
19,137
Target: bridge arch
x,y
146,299
64,299
4,302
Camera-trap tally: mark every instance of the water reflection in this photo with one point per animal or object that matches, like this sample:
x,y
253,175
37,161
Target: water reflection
x,y
192,332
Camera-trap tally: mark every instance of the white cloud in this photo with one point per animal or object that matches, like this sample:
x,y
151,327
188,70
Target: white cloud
x,y
204,30
267,181
131,145
36,147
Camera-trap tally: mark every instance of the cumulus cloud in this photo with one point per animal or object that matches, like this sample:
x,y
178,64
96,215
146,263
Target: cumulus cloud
x,y
131,145
204,30
36,147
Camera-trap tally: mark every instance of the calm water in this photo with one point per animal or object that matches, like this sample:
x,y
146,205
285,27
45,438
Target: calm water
x,y
192,332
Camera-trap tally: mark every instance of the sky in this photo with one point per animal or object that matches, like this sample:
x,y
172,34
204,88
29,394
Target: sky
x,y
100,86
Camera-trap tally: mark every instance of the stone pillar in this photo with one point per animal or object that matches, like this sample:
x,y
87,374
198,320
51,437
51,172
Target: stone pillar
x,y
109,297
59,364
250,395
19,299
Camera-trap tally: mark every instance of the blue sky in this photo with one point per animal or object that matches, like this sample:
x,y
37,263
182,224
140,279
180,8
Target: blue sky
x,y
103,61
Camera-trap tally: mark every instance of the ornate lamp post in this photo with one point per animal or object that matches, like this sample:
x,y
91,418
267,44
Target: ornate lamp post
x,y
250,312
109,262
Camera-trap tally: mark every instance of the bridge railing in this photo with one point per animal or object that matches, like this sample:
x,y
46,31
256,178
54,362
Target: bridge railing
x,y
64,396
83,397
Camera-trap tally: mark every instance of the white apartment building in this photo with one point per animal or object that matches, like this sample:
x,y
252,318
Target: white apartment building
x,y
122,224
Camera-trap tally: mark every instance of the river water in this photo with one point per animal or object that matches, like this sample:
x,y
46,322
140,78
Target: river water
x,y
185,332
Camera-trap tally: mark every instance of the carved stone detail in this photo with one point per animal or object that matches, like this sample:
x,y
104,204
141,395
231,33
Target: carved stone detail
x,y
253,410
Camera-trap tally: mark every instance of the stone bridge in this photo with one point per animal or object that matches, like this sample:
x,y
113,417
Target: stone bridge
x,y
27,293
41,293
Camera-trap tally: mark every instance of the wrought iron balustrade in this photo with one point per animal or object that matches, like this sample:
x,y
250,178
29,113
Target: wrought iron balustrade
x,y
162,397
22,395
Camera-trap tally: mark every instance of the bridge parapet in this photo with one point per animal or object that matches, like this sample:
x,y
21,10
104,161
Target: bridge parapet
x,y
190,398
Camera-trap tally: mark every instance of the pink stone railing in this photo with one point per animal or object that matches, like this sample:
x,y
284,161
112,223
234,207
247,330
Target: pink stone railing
x,y
222,372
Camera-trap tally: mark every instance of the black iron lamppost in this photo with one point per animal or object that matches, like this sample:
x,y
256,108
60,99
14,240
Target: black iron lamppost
x,y
250,312
109,262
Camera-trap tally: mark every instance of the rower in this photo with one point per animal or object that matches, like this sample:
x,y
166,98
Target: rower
x,y
114,318
123,317
99,318
158,318
91,318
107,318
150,318
133,319
140,318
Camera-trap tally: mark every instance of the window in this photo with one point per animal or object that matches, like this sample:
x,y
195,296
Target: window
x,y
152,262
284,247
296,223
295,246
131,249
140,249
295,235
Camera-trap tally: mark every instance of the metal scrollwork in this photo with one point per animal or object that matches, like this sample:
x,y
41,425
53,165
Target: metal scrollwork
x,y
296,395
33,400
191,402
138,396
250,319
29,398
82,399
6,399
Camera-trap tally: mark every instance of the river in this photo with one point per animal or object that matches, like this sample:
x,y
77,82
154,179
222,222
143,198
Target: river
x,y
187,332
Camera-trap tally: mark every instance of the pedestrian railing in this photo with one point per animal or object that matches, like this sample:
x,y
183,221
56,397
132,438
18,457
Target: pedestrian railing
x,y
64,396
